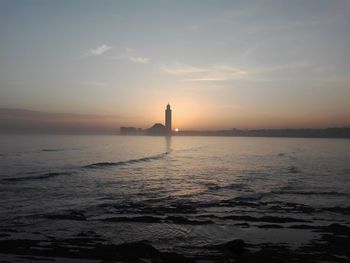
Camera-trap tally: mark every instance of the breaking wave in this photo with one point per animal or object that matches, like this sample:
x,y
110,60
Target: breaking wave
x,y
93,166
109,164
36,177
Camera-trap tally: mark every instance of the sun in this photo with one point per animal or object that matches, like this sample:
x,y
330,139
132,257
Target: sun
x,y
176,129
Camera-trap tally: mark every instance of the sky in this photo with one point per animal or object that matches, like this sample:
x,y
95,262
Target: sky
x,y
220,64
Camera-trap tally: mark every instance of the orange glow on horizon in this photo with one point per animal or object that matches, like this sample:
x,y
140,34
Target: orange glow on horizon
x,y
192,114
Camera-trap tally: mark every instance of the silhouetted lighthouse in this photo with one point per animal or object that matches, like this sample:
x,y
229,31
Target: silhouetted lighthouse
x,y
168,118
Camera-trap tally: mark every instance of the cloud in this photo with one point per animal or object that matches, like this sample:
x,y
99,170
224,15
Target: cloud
x,y
293,65
118,53
212,73
181,69
130,55
99,50
140,60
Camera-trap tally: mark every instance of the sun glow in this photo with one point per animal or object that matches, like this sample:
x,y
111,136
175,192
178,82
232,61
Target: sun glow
x,y
176,129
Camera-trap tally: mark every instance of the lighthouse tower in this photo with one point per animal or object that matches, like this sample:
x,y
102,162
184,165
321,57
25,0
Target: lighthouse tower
x,y
168,118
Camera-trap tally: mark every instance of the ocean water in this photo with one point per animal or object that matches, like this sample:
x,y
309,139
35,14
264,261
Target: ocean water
x,y
185,195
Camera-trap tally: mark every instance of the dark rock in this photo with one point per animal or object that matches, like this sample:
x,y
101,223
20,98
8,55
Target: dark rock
x,y
73,215
338,210
141,219
88,248
270,226
184,220
271,255
303,226
338,229
235,247
141,249
174,258
268,219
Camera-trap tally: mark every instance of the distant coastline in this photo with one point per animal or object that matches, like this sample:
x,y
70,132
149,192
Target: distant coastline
x,y
20,121
343,132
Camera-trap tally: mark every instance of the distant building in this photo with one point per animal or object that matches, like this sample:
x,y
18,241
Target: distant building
x,y
160,129
168,118
131,131
156,129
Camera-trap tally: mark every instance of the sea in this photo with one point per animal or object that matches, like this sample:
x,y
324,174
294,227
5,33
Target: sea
x,y
66,198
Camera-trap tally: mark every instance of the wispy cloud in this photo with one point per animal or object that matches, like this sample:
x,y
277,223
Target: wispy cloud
x,y
291,66
118,53
212,73
130,55
140,60
181,69
100,50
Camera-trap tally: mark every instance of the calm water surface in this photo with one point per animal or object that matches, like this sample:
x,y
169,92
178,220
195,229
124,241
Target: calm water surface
x,y
180,193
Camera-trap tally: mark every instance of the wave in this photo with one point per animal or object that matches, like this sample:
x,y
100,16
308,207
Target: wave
x,y
51,150
36,177
328,193
267,219
293,170
131,161
234,186
346,171
155,219
71,215
94,165
251,197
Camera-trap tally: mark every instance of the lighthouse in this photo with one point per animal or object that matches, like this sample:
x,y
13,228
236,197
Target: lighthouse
x,y
168,119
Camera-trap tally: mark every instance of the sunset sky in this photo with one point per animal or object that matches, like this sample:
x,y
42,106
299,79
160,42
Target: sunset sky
x,y
220,64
